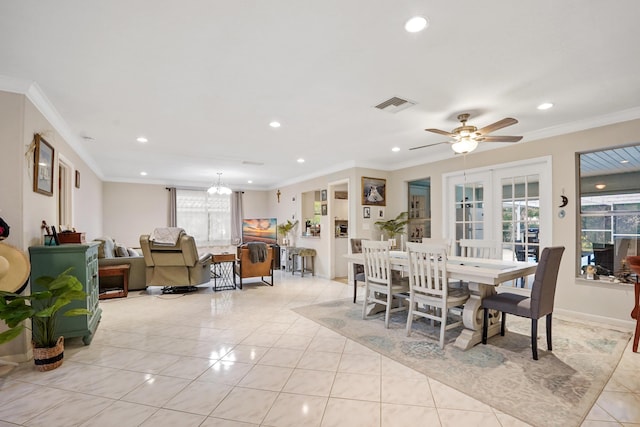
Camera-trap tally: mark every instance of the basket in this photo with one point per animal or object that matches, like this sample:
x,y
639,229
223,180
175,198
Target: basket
x,y
49,358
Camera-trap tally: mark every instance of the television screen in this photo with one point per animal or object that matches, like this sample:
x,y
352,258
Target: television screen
x,y
260,230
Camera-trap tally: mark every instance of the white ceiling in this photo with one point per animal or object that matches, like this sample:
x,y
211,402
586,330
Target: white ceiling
x,y
202,79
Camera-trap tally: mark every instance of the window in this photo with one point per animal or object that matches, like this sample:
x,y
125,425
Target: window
x,y
419,209
206,217
521,217
609,210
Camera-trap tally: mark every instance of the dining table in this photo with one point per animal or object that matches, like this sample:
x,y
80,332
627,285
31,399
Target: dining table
x,y
482,275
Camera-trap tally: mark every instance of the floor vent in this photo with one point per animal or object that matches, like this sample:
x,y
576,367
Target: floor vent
x,y
395,104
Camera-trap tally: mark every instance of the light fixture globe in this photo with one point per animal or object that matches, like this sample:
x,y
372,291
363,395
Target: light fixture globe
x,y
219,188
465,145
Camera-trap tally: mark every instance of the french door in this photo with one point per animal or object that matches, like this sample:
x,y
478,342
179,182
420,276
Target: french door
x,y
509,203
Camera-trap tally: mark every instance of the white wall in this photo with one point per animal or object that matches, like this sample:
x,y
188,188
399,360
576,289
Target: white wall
x,y
87,200
256,204
21,207
130,210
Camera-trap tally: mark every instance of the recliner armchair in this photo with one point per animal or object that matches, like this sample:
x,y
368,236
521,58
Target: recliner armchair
x,y
177,268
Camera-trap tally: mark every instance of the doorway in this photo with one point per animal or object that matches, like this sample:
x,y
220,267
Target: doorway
x,y
65,193
339,230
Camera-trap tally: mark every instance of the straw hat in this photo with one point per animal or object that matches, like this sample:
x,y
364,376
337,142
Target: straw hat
x,y
14,269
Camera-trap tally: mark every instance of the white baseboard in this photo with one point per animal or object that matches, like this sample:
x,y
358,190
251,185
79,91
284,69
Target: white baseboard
x,y
626,325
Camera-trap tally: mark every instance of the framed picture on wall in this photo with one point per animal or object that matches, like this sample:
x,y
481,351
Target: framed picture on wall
x,y
323,195
77,179
43,166
366,212
374,191
323,209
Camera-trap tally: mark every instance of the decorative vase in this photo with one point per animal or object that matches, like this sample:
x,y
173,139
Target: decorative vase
x,y
49,358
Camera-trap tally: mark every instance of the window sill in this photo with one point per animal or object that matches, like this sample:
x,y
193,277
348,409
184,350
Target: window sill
x,y
602,282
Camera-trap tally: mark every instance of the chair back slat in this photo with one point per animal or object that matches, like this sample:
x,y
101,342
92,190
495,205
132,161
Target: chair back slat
x,y
473,248
376,261
428,268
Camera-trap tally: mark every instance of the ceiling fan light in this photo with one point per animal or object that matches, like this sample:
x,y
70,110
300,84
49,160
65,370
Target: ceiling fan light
x,y
465,145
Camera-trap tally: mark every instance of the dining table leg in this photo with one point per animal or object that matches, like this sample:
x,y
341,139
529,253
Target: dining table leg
x,y
472,315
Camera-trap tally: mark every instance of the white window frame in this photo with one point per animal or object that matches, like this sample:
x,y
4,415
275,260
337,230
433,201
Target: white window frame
x,y
493,175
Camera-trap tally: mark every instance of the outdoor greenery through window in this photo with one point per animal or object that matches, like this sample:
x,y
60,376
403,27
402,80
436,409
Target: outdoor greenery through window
x,y
609,211
206,217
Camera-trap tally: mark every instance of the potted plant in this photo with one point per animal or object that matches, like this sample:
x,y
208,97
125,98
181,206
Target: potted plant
x,y
393,226
43,308
284,229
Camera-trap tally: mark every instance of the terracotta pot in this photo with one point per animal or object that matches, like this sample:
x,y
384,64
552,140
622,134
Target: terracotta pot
x,y
49,358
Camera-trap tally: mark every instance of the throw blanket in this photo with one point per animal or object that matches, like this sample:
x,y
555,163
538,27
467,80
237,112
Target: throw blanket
x,y
257,251
166,236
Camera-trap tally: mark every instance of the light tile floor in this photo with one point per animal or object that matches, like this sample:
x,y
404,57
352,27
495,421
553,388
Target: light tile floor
x,y
243,358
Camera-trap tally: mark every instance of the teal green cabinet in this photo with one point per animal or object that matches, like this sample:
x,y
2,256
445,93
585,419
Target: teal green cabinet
x,y
53,260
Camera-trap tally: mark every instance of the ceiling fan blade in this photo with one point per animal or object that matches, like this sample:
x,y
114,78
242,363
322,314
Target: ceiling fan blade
x,y
497,125
442,132
428,145
498,138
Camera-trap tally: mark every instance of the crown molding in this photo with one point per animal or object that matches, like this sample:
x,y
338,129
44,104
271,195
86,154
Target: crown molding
x,y
585,124
39,99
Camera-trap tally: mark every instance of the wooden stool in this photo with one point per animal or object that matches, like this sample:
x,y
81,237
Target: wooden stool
x,y
303,254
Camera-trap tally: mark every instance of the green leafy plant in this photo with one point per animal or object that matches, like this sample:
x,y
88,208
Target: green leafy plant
x,y
285,228
43,308
393,226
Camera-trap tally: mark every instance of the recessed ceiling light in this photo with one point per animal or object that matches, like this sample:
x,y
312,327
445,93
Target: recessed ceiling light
x,y
274,124
301,160
143,173
600,186
249,182
624,161
142,139
416,24
545,106
395,149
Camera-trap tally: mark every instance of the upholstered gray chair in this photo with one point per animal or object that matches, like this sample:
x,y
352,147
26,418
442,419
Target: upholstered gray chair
x,y
358,269
539,304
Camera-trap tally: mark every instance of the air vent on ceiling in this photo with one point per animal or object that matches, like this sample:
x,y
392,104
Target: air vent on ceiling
x,y
395,104
249,162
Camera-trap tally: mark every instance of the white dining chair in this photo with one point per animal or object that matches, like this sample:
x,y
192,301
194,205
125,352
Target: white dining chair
x,y
434,241
380,285
477,248
428,287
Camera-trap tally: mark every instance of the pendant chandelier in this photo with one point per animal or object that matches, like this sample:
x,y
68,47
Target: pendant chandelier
x,y
219,188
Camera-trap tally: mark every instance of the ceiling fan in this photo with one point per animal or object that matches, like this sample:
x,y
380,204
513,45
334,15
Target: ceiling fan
x,y
465,138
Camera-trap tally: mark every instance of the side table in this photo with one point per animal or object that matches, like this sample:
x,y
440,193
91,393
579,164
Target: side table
x,y
121,270
223,268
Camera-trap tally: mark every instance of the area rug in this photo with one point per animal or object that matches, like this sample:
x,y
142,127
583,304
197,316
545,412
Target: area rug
x,y
559,389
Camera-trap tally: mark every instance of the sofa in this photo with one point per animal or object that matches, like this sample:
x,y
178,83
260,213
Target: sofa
x,y
111,253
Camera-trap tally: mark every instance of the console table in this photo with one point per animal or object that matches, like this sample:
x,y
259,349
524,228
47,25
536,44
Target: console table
x,y
53,260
